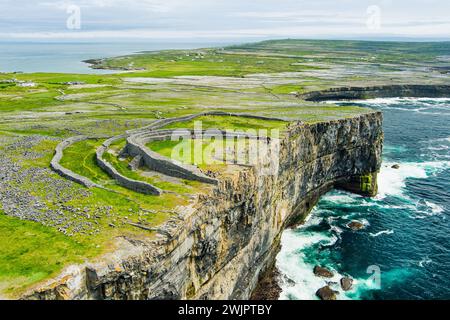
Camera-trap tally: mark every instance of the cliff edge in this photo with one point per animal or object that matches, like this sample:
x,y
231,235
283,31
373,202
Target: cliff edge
x,y
220,246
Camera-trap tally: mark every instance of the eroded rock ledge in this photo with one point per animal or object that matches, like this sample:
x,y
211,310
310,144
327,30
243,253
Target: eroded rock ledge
x,y
219,246
389,91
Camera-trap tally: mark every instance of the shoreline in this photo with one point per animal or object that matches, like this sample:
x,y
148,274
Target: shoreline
x,y
268,287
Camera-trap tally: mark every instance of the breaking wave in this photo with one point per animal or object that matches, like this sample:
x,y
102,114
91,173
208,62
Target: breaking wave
x,y
406,225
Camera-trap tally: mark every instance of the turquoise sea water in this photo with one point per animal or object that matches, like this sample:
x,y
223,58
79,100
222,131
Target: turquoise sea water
x,y
67,57
407,224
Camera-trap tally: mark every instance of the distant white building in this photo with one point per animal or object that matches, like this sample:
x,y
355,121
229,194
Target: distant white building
x,y
74,83
26,84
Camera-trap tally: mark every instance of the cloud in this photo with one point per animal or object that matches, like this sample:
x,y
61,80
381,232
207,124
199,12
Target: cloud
x,y
147,5
296,32
46,19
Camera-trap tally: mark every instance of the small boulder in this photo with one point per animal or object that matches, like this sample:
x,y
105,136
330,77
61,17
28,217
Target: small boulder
x,y
289,281
355,225
323,272
346,283
326,293
395,166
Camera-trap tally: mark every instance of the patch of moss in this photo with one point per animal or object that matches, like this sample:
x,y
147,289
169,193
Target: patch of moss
x,y
369,184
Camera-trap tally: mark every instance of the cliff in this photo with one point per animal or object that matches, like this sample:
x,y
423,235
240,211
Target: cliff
x,y
218,247
389,91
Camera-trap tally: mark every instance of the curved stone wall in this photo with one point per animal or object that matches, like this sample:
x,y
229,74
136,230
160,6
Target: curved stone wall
x,y
66,173
164,122
136,146
138,186
136,141
139,138
219,246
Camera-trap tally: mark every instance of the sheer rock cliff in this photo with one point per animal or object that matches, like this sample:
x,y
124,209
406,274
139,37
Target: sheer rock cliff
x,y
218,247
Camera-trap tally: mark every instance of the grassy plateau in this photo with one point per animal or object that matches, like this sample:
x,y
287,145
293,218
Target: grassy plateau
x,y
48,223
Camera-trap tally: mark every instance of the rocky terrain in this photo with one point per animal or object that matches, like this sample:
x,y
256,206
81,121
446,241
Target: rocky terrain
x,y
222,243
392,91
96,238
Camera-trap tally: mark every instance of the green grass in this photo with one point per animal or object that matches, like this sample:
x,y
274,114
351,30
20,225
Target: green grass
x,y
206,62
30,253
229,123
27,101
184,187
208,154
80,158
190,154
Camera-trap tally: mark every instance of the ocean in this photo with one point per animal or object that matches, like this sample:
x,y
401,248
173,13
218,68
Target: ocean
x,y
407,224
404,250
67,57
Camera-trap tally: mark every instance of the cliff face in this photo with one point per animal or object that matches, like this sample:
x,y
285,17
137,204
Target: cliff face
x,y
390,91
218,248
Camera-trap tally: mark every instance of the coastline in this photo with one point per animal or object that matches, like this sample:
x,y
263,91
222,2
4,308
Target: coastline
x,y
277,95
269,287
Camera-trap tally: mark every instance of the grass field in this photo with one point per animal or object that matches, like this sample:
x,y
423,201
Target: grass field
x,y
262,79
31,252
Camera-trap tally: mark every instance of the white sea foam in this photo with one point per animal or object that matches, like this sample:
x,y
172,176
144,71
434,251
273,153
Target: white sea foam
x,y
435,209
381,233
337,230
427,208
345,198
440,140
434,167
303,284
291,262
424,262
341,198
390,101
438,148
419,105
392,182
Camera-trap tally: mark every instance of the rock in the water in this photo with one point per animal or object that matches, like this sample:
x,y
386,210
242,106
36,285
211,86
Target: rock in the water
x,y
395,166
323,272
326,293
289,281
346,283
355,225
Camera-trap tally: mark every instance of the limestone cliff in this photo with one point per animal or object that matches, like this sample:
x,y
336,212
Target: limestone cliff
x,y
389,91
218,247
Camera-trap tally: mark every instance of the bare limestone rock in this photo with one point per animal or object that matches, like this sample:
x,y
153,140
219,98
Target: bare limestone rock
x,y
323,272
346,283
355,225
326,293
218,246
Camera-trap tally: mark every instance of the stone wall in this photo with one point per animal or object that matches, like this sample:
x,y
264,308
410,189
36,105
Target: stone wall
x,y
138,186
156,162
220,245
158,124
64,172
136,146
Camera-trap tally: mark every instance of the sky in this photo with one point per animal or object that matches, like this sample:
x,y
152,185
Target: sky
x,y
223,19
